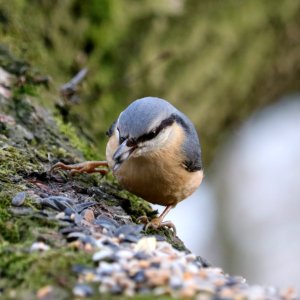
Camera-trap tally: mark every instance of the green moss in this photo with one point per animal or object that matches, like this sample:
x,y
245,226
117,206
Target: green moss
x,y
68,130
17,229
58,153
14,161
33,270
6,228
132,204
138,207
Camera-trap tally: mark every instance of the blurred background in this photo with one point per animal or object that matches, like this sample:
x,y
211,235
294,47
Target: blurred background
x,y
232,66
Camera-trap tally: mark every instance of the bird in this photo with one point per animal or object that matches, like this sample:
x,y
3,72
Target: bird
x,y
154,152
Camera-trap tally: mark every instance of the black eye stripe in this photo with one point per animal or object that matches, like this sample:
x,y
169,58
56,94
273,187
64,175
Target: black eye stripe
x,y
132,142
153,133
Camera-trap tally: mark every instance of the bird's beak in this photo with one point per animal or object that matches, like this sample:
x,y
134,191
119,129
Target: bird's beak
x,y
122,153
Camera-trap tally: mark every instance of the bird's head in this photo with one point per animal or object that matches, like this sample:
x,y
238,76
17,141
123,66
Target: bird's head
x,y
146,125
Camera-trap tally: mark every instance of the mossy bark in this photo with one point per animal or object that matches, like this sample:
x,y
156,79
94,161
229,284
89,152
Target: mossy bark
x,y
31,140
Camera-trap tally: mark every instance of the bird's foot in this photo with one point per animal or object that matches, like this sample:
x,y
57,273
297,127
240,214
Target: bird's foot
x,y
156,223
84,167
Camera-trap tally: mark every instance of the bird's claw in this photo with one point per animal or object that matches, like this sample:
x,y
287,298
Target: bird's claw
x,y
156,223
143,219
84,167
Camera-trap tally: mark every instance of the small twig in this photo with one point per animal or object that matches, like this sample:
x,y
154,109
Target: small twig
x,y
69,89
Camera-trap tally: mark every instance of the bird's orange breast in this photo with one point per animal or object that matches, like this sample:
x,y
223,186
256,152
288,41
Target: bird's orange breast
x,y
158,176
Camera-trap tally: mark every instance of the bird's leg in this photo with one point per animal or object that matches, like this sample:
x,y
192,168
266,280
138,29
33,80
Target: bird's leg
x,y
158,222
84,167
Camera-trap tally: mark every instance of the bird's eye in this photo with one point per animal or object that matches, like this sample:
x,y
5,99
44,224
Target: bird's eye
x,y
121,139
131,142
152,134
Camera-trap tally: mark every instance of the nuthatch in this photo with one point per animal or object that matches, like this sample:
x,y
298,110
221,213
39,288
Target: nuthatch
x,y
154,152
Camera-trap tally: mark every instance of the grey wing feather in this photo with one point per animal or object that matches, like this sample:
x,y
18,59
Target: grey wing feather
x,y
111,129
191,145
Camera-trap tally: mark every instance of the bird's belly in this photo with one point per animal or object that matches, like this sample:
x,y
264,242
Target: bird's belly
x,y
156,181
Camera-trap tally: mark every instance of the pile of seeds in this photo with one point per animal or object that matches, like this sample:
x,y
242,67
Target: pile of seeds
x,y
152,266
128,262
